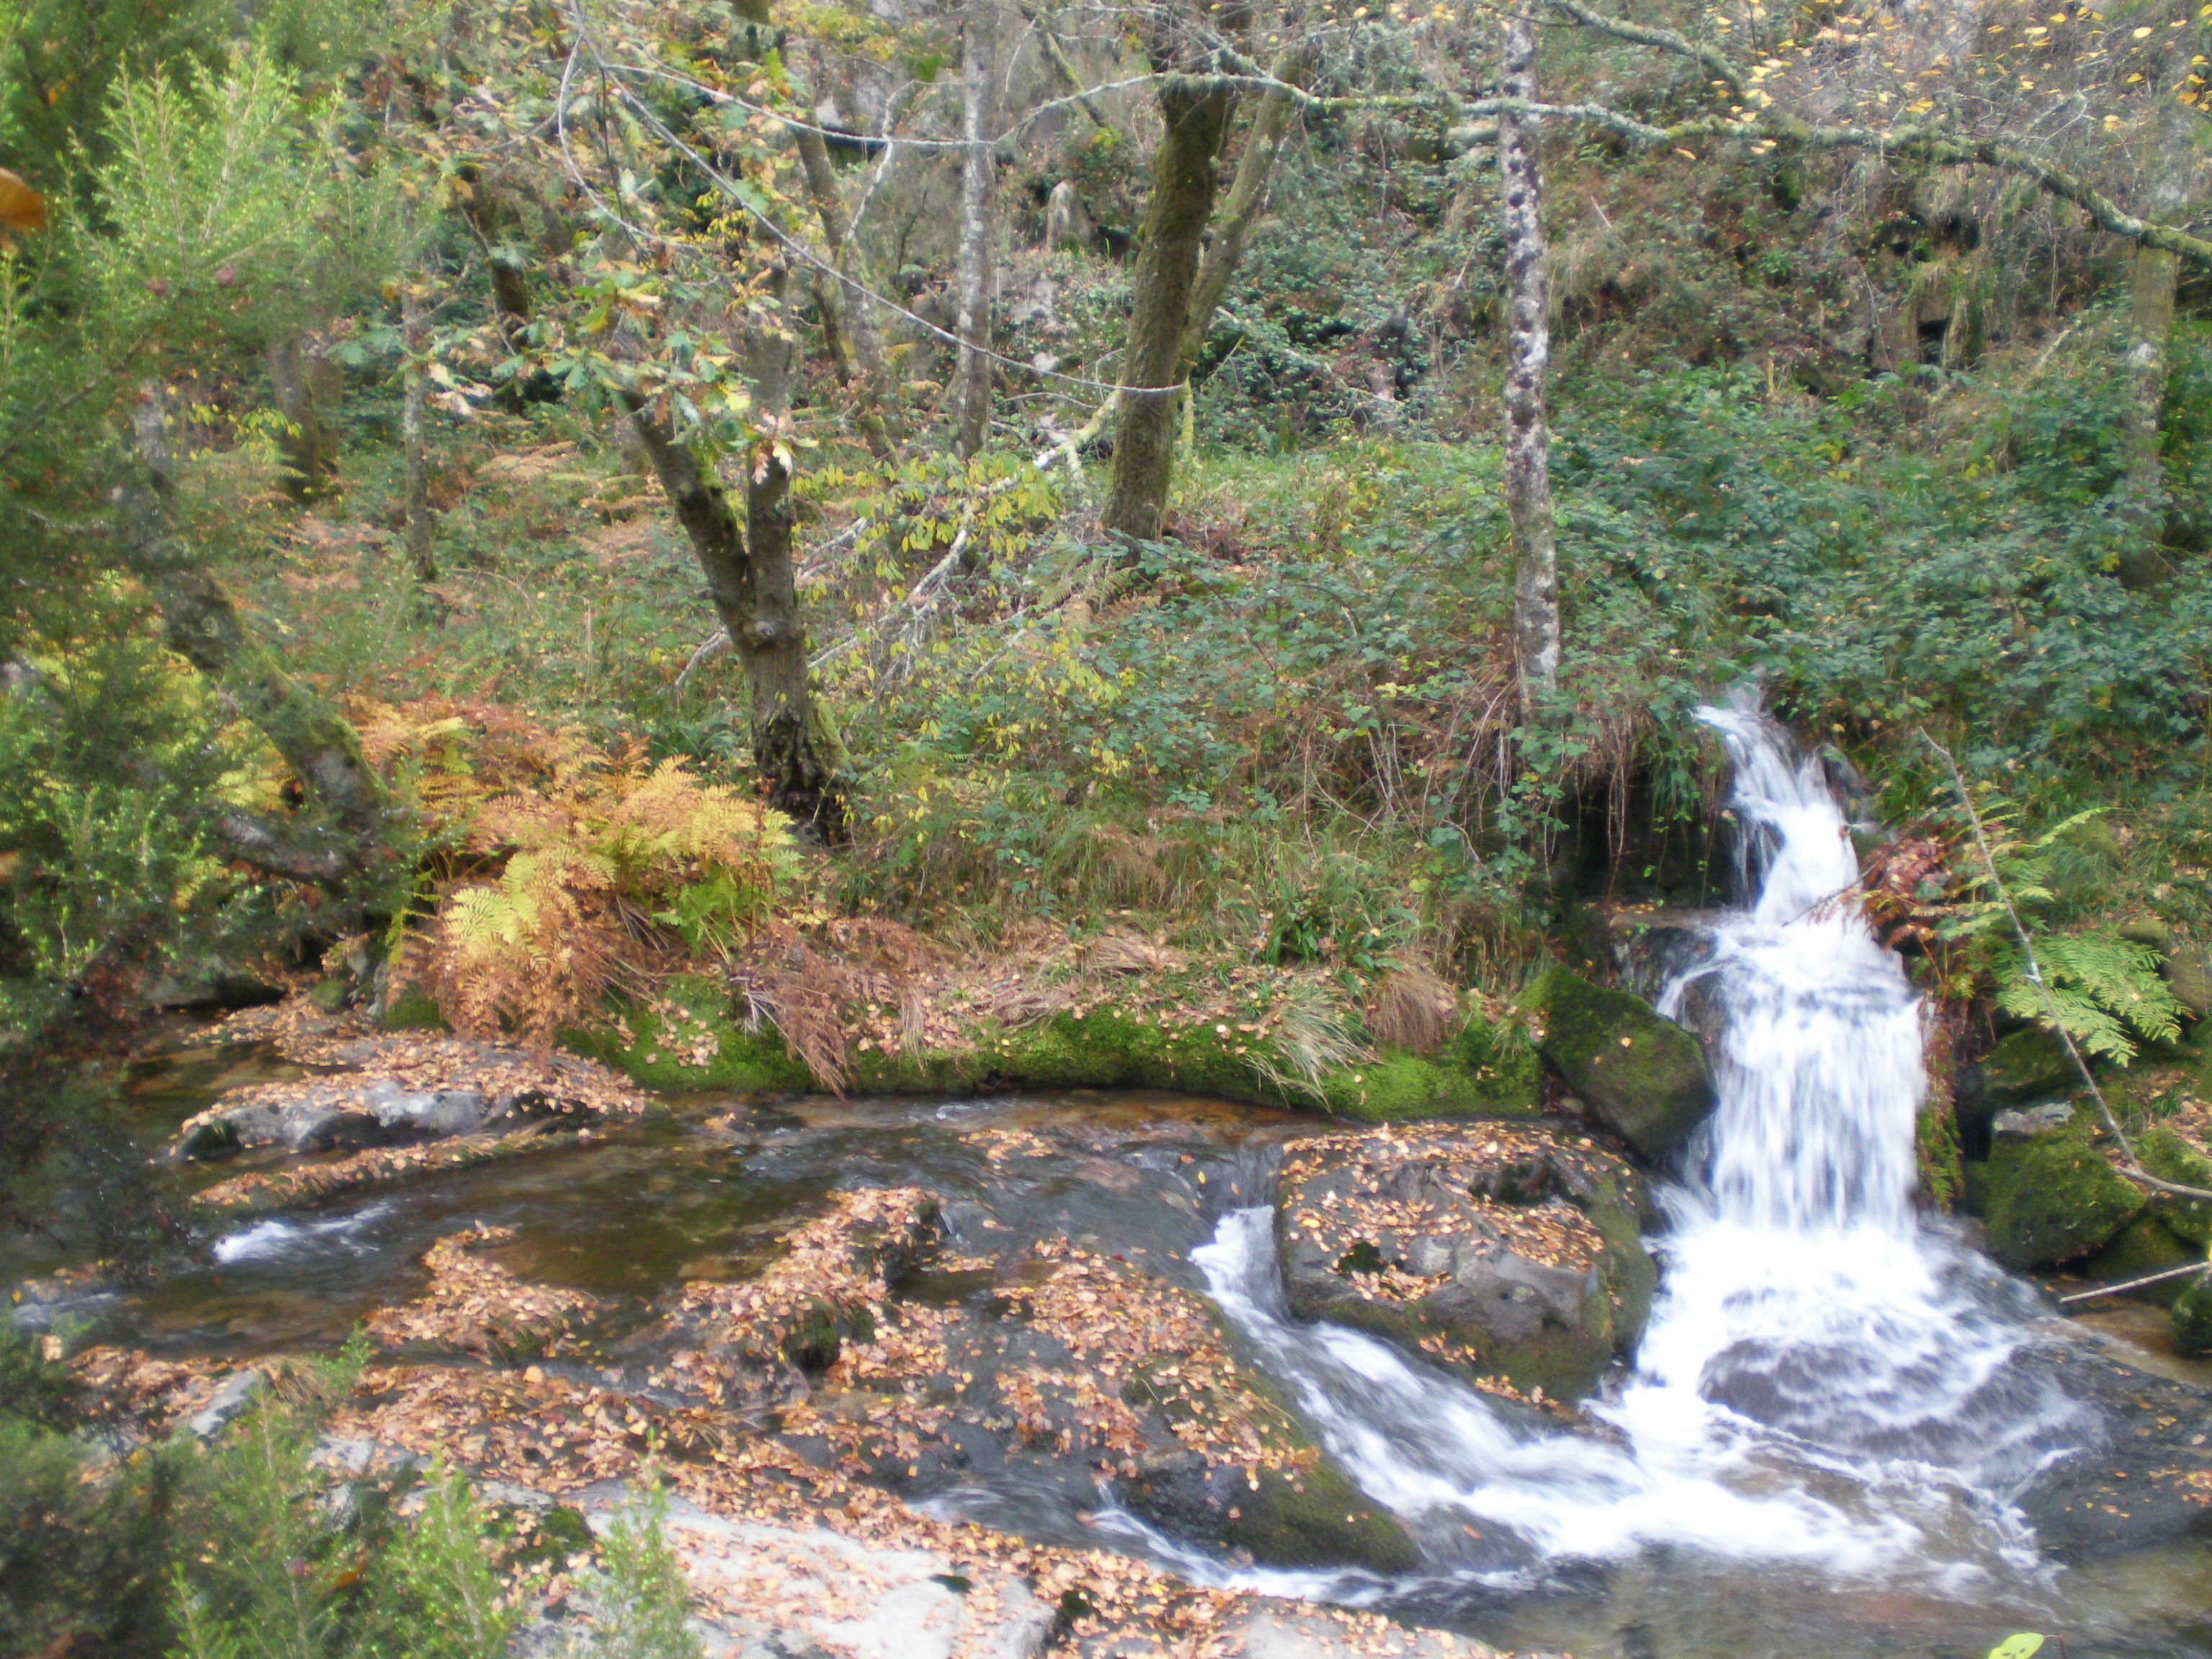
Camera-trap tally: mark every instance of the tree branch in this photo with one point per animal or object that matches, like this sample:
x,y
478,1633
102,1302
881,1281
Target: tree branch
x,y
1723,68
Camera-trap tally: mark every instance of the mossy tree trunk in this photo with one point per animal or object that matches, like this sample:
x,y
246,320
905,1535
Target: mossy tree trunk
x,y
307,389
1527,358
348,828
972,424
1186,178
747,561
1256,170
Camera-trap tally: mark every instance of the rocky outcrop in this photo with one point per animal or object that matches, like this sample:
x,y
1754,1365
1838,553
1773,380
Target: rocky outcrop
x,y
1643,1077
404,1090
2049,1195
1510,1254
2147,1482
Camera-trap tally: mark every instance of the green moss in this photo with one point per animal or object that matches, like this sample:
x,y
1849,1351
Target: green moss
x,y
1936,1155
658,1057
1313,1516
2168,1156
2029,1065
411,1008
2144,1247
1490,1071
2192,1320
1644,1076
2054,1198
330,994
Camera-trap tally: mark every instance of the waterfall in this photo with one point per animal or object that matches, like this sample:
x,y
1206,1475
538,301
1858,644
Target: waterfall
x,y
1826,1379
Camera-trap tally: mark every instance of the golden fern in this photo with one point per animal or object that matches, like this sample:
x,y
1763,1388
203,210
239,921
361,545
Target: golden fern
x,y
553,867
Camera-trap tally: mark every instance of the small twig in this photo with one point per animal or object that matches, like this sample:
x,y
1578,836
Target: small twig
x,y
2135,1283
2130,1165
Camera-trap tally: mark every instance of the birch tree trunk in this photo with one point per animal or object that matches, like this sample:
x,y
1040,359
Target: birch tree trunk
x,y
973,423
2154,278
1528,356
747,561
843,311
415,341
1186,179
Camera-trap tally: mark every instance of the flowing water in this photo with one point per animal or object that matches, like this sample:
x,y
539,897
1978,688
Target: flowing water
x,y
1815,1449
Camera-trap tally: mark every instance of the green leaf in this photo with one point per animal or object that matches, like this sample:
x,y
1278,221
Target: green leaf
x,y
2019,1646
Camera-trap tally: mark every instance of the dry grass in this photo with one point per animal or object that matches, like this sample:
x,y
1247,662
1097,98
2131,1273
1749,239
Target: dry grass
x,y
1411,1008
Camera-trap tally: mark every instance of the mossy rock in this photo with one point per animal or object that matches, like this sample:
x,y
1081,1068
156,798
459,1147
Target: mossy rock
x,y
2192,1320
1309,1517
2054,1198
705,1046
2144,1247
2170,1157
1485,1070
1644,1077
411,1008
2031,1063
330,994
1526,1261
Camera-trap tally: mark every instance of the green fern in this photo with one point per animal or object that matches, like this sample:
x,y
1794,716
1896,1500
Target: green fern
x,y
2107,990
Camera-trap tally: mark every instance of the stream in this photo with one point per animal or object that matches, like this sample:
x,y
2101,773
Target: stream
x,y
1816,1449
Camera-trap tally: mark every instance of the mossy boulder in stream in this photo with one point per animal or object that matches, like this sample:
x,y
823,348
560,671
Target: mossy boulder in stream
x,y
2145,1246
2170,1157
2192,1320
1644,1076
1507,1253
2049,1194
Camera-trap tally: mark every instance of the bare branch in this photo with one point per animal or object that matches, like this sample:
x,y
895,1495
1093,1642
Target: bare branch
x,y
1723,68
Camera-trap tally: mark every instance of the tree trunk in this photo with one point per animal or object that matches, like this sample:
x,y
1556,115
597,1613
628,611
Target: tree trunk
x,y
1185,180
2150,329
1225,250
844,310
307,388
203,626
1527,356
415,341
750,578
973,424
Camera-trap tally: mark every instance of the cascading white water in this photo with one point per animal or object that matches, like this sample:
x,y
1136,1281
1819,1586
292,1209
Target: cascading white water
x,y
1823,1379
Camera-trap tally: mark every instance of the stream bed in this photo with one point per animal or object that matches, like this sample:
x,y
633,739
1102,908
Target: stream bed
x,y
1843,1431
702,1190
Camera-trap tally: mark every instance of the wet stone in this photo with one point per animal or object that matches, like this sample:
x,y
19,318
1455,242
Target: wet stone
x,y
1510,1254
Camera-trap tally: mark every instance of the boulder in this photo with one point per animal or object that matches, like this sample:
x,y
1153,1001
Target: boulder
x,y
2049,1195
2029,1065
2140,1483
2145,1246
1643,1077
2170,1157
1503,1252
2192,1320
325,1115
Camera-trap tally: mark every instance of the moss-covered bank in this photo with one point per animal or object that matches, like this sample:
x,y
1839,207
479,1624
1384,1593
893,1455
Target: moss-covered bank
x,y
692,1038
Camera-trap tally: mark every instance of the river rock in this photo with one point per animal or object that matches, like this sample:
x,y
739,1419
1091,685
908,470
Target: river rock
x,y
2145,1246
2049,1195
1505,1253
2192,1320
2146,1482
2167,1155
1643,1077
324,1114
